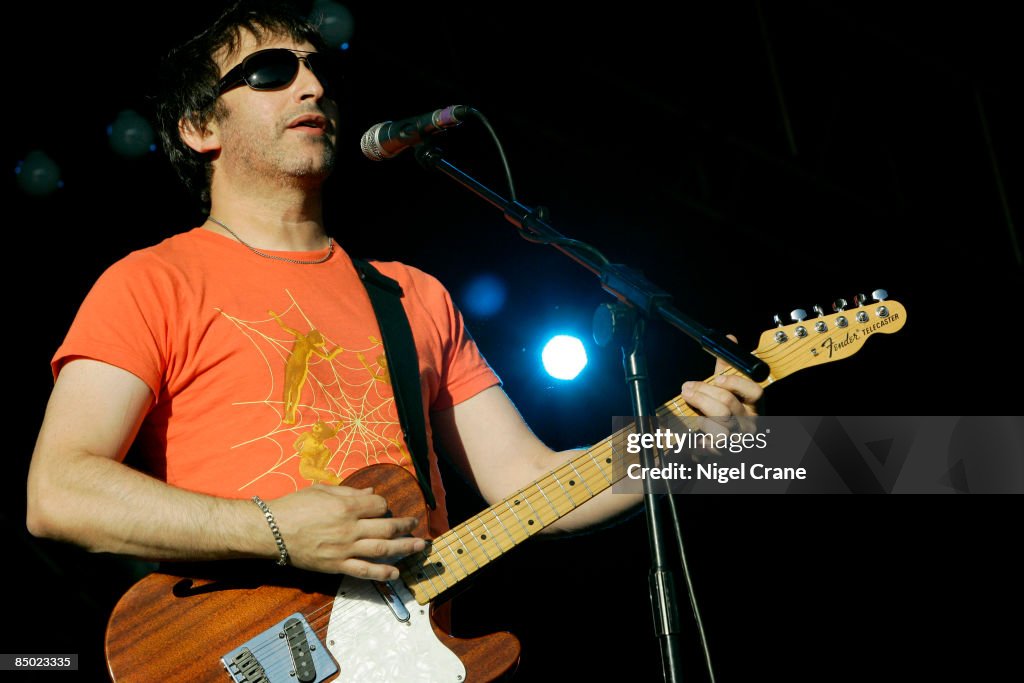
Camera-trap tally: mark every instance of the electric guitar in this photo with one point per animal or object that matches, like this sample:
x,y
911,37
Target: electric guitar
x,y
249,622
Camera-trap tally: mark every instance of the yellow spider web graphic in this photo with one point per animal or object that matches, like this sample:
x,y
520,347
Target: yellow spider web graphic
x,y
330,409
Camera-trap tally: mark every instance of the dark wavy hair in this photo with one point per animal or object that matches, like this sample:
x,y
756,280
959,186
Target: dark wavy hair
x,y
189,77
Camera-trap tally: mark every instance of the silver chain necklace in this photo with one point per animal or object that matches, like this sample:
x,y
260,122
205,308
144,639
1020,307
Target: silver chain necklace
x,y
330,248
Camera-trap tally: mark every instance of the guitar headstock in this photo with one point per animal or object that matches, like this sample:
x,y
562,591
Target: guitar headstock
x,y
826,338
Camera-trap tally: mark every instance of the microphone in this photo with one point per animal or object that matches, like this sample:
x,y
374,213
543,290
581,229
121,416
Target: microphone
x,y
385,140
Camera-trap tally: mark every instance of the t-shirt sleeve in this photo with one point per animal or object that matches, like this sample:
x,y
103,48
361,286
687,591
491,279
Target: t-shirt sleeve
x,y
123,322
466,372
463,372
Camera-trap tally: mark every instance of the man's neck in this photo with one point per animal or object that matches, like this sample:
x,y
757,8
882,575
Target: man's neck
x,y
289,220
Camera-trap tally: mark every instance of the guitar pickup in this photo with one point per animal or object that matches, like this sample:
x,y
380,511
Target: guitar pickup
x,y
287,652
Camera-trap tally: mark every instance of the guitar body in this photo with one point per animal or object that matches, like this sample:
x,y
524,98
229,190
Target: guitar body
x,y
228,621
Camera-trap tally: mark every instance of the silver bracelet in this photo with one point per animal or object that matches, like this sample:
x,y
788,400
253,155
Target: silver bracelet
x,y
283,559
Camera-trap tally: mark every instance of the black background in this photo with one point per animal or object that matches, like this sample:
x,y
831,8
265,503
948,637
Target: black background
x,y
751,158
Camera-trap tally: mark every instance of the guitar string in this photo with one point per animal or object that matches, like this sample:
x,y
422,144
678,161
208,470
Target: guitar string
x,y
325,611
477,526
554,487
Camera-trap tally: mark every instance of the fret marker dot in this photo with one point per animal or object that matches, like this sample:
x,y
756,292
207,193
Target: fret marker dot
x,y
517,502
608,460
459,551
572,483
483,537
530,522
439,565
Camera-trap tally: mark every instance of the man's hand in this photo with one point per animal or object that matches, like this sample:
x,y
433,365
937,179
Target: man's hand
x,y
342,530
729,394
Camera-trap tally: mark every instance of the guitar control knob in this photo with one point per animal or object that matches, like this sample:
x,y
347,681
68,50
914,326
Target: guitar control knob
x,y
880,294
798,315
839,305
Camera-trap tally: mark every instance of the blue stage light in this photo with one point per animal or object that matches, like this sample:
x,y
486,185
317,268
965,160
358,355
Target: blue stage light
x,y
564,357
484,296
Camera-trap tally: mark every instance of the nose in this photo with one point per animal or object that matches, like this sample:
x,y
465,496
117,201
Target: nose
x,y
307,85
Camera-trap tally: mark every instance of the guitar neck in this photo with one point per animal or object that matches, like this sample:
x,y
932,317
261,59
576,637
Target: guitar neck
x,y
470,546
457,554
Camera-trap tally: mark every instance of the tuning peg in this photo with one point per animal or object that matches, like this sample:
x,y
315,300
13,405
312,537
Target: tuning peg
x,y
820,325
880,294
860,299
798,315
780,336
839,305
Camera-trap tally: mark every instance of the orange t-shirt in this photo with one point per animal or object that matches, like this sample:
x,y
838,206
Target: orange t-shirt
x,y
267,375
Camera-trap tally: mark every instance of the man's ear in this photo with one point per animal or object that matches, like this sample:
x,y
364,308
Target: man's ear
x,y
201,139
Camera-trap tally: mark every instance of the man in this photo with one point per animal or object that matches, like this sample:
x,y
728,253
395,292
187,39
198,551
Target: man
x,y
242,354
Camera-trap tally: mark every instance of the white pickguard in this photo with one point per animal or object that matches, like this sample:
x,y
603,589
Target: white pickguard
x,y
371,644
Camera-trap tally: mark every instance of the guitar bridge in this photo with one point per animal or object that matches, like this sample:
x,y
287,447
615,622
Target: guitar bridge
x,y
287,652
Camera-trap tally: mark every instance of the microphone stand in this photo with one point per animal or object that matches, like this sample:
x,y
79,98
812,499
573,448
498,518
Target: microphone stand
x,y
639,300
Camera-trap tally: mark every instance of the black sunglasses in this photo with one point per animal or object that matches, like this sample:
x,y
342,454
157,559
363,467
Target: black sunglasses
x,y
275,68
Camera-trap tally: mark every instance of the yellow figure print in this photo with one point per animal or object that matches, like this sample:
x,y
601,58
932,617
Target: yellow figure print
x,y
296,369
404,454
314,455
382,374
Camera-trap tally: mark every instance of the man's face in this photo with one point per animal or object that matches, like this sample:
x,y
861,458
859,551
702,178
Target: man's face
x,y
259,137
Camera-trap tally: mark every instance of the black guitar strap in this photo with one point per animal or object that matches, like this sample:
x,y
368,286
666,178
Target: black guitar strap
x,y
403,367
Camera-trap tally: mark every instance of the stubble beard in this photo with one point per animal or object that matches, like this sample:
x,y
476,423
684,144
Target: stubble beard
x,y
304,162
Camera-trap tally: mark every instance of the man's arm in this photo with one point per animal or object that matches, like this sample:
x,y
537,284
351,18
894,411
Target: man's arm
x,y
492,445
79,491
495,448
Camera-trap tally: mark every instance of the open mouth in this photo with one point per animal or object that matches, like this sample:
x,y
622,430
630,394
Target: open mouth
x,y
310,123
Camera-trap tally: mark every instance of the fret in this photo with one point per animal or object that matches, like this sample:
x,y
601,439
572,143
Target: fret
x,y
470,530
458,537
420,573
433,566
541,489
504,528
516,515
534,510
455,556
487,535
590,454
559,482
582,478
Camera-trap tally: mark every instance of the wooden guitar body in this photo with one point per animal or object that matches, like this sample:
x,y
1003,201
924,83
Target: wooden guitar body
x,y
180,625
